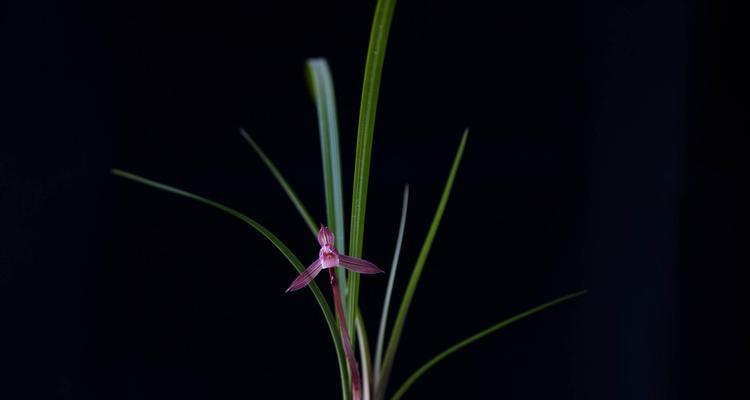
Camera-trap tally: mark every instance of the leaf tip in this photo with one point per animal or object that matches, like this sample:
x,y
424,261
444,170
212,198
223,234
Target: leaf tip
x,y
118,172
246,135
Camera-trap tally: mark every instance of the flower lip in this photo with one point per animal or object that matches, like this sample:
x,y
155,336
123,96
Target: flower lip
x,y
328,256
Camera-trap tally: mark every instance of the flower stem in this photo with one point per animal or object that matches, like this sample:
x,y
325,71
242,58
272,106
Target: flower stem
x,y
353,367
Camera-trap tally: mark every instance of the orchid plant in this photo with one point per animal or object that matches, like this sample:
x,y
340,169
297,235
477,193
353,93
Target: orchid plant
x,y
367,378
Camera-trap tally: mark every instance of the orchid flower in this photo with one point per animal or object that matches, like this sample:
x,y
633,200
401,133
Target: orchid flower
x,y
329,257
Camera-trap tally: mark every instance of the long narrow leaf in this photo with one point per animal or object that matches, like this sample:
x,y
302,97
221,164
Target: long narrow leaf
x,y
479,335
282,182
364,355
361,331
322,302
389,289
321,86
398,325
360,327
381,26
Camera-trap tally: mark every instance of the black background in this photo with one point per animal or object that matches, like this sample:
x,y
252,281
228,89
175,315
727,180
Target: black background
x,y
604,154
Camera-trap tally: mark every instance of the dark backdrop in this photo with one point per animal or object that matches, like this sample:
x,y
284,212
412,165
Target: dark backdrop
x,y
604,154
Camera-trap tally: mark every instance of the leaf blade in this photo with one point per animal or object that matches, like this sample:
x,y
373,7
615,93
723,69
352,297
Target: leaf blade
x,y
320,83
322,302
477,336
398,324
389,288
301,209
381,25
364,355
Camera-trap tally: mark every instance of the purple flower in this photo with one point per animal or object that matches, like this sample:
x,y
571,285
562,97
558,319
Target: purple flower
x,y
329,257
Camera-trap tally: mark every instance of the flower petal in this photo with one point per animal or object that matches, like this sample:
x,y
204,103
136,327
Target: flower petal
x,y
325,236
358,265
306,276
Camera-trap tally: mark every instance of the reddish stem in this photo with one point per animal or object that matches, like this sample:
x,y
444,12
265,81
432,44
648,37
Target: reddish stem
x,y
353,367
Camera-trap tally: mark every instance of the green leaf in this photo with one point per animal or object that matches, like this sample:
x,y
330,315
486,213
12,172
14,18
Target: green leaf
x,y
320,84
364,355
284,185
324,306
398,325
458,346
381,25
361,331
389,289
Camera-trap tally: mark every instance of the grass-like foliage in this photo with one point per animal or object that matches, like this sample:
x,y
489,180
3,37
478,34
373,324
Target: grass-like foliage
x,y
368,377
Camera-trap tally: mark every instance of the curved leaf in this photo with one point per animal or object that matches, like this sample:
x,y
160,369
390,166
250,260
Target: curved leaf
x,y
327,313
460,345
